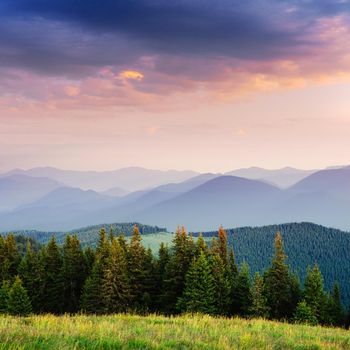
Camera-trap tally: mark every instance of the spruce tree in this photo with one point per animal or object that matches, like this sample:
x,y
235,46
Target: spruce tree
x,y
4,297
242,297
305,314
161,264
31,275
74,273
278,283
259,306
18,301
314,294
222,285
182,255
199,292
53,278
222,239
136,264
201,246
337,315
91,299
9,258
115,283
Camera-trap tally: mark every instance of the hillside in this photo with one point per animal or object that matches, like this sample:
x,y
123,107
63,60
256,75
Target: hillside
x,y
305,244
158,332
88,236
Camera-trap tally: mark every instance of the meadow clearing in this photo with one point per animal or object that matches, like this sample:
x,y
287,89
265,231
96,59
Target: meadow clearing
x,y
159,332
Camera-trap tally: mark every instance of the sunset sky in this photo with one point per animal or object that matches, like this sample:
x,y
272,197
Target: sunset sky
x,y
185,84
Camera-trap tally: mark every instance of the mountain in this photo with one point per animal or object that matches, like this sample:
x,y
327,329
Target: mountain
x,y
130,179
305,244
115,192
282,178
59,210
334,182
16,190
226,200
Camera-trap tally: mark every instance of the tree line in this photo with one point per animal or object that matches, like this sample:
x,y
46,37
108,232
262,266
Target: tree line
x,y
191,276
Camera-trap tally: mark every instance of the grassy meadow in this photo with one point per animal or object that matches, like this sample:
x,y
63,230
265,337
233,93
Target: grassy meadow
x,y
158,332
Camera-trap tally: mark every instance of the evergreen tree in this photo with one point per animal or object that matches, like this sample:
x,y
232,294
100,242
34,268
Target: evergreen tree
x,y
259,301
314,294
136,265
4,297
18,301
53,278
9,258
149,282
199,292
91,300
278,283
222,239
161,264
176,269
242,297
115,283
337,315
73,273
31,275
222,285
201,246
305,314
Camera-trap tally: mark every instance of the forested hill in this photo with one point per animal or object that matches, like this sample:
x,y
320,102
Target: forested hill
x,y
305,244
89,235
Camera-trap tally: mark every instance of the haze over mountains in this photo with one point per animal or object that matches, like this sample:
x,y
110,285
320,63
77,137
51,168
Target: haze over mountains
x,y
52,199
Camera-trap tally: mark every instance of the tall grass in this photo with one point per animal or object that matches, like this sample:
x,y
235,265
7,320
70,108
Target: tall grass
x,y
158,332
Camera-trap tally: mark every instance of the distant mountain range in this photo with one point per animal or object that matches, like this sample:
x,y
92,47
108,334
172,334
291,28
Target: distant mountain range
x,y
200,202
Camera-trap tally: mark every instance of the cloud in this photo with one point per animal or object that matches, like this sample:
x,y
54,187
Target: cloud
x,y
84,53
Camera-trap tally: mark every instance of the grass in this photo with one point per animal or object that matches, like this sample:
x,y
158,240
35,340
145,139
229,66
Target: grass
x,y
158,332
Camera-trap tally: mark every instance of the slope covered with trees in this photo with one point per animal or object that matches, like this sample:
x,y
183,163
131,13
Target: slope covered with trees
x,y
305,245
121,275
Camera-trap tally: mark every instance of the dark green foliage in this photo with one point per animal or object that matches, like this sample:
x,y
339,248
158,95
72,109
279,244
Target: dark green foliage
x,y
259,306
241,292
183,251
31,273
18,301
115,287
278,283
53,279
4,297
120,276
88,236
305,314
305,243
136,268
73,274
314,294
199,289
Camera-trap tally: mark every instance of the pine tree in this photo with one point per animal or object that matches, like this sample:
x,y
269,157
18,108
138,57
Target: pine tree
x,y
337,315
4,297
305,314
222,285
91,299
9,258
18,301
182,255
161,264
259,301
136,261
222,238
314,294
53,278
31,275
115,284
74,273
201,246
278,283
242,297
199,293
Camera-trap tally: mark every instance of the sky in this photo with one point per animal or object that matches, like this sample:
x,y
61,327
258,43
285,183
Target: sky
x,y
184,84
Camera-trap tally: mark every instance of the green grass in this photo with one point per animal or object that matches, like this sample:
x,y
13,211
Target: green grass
x,y
157,332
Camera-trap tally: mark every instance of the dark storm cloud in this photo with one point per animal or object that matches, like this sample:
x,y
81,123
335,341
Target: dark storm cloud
x,y
58,36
